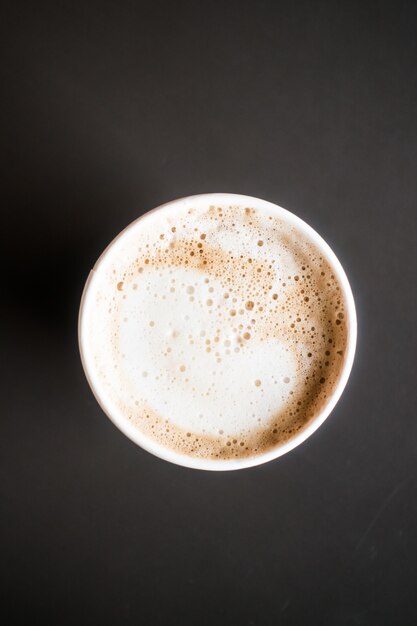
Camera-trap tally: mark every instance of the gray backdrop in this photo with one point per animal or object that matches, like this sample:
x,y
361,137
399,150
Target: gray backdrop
x,y
109,109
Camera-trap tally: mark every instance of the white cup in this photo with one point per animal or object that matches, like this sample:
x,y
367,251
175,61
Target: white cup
x,y
171,455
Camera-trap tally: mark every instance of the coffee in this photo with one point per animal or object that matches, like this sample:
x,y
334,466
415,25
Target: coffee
x,y
217,329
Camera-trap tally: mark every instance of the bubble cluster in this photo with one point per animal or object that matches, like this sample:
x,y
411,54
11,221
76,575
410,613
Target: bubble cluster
x,y
222,330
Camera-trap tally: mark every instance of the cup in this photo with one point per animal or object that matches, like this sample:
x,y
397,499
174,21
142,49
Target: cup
x,y
172,455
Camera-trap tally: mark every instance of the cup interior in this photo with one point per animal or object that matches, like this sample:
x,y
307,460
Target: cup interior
x,y
166,453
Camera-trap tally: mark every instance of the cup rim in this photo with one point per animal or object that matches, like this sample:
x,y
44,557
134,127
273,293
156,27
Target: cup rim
x,y
168,454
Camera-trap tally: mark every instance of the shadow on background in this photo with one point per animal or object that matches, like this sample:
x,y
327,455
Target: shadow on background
x,y
56,230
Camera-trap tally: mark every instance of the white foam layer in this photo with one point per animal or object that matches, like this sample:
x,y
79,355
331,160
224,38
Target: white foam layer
x,y
185,355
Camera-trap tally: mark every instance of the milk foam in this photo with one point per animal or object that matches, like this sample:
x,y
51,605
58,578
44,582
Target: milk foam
x,y
217,330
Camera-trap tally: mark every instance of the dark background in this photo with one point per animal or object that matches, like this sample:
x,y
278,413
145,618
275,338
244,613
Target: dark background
x,y
112,108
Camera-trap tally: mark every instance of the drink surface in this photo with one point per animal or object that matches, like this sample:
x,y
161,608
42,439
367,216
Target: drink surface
x,y
218,330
